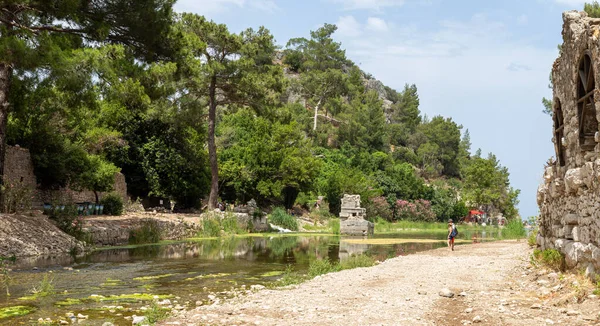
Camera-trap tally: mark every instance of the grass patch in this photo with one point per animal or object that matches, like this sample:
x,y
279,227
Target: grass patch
x,y
68,302
514,230
356,261
149,278
532,238
280,218
15,311
156,313
334,225
148,232
290,277
551,258
44,289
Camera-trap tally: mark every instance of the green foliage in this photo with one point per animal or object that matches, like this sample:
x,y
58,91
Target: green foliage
x,y
379,207
334,225
418,210
514,230
322,266
45,288
17,197
149,231
280,218
551,258
211,227
156,313
99,175
356,261
592,9
67,219
15,311
289,277
6,279
113,204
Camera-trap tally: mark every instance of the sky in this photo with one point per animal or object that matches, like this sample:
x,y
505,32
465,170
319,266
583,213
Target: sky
x,y
485,64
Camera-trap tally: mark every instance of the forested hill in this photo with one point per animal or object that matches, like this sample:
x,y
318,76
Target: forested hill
x,y
217,115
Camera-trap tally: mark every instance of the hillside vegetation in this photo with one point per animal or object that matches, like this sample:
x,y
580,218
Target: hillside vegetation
x,y
205,113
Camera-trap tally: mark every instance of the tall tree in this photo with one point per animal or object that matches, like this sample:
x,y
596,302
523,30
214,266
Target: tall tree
x,y
32,32
229,70
320,60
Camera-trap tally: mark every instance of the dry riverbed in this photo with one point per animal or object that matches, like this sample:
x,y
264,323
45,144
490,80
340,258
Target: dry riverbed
x,y
492,284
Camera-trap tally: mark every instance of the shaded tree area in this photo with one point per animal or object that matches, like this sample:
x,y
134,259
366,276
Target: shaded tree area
x,y
195,112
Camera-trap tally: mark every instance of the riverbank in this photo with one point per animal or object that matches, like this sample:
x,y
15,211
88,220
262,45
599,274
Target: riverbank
x,y
493,284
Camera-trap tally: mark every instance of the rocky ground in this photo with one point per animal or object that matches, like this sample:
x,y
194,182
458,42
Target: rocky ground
x,y
33,235
487,284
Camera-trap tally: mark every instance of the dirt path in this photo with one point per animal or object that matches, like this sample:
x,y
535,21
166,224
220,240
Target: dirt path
x,y
494,284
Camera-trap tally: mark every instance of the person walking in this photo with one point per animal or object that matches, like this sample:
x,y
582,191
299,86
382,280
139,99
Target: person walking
x,y
451,234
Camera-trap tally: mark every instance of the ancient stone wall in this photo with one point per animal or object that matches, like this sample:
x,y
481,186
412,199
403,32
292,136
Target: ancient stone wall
x,y
18,168
569,198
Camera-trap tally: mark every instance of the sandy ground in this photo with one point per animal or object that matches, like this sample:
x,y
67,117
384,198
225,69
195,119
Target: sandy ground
x,y
494,284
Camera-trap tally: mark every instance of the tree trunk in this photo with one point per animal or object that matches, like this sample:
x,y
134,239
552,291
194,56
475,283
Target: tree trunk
x,y
6,71
316,114
212,147
96,194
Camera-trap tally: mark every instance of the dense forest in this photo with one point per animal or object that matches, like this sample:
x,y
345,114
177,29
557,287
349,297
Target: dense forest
x,y
190,111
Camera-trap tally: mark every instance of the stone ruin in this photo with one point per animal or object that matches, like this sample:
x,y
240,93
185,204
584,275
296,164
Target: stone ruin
x,y
352,217
569,198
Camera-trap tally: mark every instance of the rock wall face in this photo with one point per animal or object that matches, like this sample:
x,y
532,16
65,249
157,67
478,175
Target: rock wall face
x,y
18,168
569,198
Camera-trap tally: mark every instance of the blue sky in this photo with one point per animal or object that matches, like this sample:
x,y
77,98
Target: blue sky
x,y
483,63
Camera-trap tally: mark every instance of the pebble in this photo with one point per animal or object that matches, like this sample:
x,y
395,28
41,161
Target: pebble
x,y
573,313
422,292
589,318
138,320
469,310
536,306
80,316
64,322
477,319
445,292
463,294
549,322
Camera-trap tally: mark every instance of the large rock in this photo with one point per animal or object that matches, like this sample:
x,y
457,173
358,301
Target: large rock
x,y
354,226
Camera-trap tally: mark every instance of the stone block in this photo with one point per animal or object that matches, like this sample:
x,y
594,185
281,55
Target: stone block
x,y
356,227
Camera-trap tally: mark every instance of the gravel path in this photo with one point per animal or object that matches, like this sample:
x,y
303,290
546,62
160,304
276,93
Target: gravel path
x,y
400,291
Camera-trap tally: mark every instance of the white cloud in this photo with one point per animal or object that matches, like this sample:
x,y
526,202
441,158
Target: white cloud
x,y
348,26
216,6
368,4
377,24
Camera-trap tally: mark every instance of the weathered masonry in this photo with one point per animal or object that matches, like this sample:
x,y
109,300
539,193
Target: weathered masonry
x,y
569,198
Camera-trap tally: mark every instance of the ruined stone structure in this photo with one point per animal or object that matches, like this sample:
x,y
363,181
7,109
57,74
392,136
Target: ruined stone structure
x,y
18,168
569,198
352,217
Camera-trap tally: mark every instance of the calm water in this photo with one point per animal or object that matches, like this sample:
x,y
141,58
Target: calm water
x,y
188,272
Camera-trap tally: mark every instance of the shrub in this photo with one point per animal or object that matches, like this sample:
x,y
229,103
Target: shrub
x,y
321,266
514,230
156,313
418,210
68,221
379,207
113,204
280,218
532,238
148,232
211,227
231,225
46,287
17,197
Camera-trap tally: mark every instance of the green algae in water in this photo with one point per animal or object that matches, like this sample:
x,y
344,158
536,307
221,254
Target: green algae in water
x,y
130,297
15,311
149,278
111,282
68,302
272,273
207,276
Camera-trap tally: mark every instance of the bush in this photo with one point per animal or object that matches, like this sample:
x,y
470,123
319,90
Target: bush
x,y
17,197
514,230
419,210
68,221
321,266
230,225
379,207
532,238
211,227
148,232
280,218
113,204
